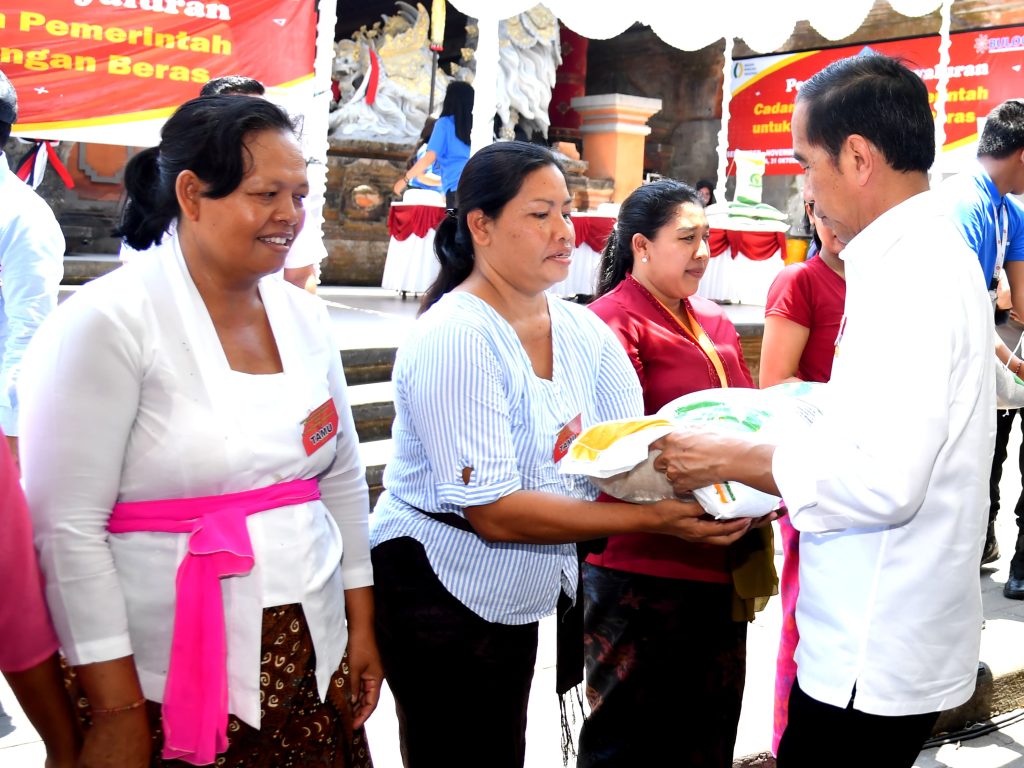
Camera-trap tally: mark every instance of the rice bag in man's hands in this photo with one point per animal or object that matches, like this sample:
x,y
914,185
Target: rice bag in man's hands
x,y
618,459
616,456
766,413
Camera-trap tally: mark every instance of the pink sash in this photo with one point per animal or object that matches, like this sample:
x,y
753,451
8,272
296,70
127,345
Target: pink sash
x,y
195,707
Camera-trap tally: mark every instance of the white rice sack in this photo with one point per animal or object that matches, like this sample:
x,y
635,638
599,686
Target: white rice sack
x,y
616,455
771,414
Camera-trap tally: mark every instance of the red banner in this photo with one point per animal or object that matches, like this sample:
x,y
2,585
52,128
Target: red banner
x,y
984,70
106,65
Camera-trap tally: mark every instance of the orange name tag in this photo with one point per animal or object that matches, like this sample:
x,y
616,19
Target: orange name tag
x,y
839,336
319,427
565,438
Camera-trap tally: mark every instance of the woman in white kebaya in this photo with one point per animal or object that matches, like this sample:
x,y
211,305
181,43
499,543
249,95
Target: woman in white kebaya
x,y
191,466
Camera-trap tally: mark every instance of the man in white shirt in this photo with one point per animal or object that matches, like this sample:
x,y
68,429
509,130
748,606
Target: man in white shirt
x,y
31,268
888,487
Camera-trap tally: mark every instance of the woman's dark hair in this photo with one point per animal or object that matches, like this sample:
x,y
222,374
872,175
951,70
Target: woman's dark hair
x,y
491,178
206,136
458,102
705,184
233,85
647,209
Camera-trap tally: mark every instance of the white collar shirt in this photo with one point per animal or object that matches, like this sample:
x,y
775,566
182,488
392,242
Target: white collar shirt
x,y
890,489
31,268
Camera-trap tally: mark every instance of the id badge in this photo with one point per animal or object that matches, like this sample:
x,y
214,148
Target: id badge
x,y
566,436
319,427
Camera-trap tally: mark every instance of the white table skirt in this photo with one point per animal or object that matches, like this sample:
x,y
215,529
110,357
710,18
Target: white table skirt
x,y
410,266
739,280
582,277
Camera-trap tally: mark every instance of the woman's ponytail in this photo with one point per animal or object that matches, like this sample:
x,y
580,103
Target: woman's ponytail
x,y
145,216
616,263
455,253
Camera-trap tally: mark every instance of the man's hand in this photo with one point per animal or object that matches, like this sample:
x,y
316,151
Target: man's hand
x,y
690,460
1003,297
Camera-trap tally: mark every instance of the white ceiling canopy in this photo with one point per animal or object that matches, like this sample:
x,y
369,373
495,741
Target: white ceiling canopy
x,y
763,26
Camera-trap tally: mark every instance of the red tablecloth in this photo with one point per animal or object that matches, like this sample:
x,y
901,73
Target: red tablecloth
x,y
756,246
406,220
592,230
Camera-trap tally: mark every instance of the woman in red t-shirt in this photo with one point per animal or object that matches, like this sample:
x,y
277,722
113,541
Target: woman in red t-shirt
x,y
801,321
665,650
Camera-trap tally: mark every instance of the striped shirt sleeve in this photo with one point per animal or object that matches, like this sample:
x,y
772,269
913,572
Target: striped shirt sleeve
x,y
619,395
458,406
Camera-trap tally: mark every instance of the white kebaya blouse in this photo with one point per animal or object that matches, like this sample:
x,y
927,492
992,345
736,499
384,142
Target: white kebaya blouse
x,y
128,396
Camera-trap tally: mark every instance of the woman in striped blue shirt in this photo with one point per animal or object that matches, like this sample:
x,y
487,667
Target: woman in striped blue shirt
x,y
472,541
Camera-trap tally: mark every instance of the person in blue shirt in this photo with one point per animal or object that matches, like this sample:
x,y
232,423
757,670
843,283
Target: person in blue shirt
x,y
448,147
430,179
992,224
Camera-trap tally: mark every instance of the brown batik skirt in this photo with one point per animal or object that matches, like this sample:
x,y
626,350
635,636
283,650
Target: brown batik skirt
x,y
296,728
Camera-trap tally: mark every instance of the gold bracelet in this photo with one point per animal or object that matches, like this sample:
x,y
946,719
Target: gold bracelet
x,y
116,710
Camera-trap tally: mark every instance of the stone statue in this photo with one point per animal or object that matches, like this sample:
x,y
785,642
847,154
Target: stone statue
x,y
383,75
529,57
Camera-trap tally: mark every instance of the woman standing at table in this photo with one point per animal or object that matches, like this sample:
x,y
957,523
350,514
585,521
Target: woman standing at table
x,y
192,470
801,321
448,147
429,179
665,619
472,538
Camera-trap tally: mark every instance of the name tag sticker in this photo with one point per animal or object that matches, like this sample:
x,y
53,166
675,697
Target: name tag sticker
x,y
839,337
319,427
566,436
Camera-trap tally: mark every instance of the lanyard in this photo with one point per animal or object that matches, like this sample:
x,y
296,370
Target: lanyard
x,y
700,336
1002,240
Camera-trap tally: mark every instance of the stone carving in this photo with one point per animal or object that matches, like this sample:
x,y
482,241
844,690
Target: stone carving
x,y
399,50
529,58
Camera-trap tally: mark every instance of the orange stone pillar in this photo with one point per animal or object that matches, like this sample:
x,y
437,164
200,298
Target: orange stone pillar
x,y
614,128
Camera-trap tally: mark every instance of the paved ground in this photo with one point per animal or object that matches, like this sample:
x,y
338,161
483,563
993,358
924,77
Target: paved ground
x,y
372,318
